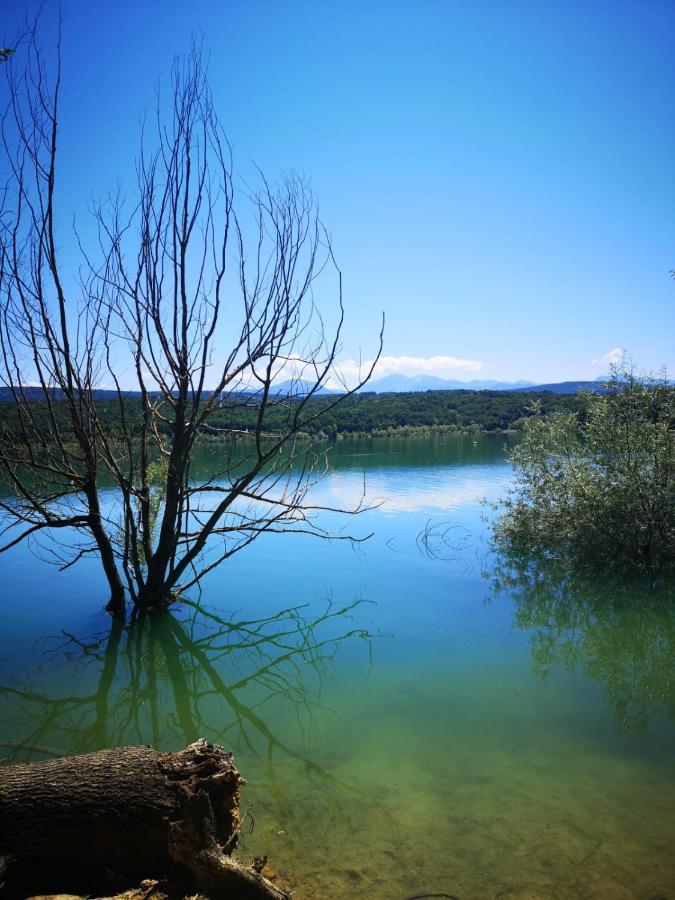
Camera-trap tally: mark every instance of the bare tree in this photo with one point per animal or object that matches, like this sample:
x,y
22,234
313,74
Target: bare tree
x,y
198,265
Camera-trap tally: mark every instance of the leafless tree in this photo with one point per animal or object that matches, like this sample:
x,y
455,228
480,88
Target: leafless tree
x,y
195,304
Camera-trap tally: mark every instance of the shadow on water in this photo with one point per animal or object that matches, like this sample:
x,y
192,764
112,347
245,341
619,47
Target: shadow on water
x,y
618,632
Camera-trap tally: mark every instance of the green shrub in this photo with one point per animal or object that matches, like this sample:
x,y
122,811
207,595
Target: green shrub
x,y
598,485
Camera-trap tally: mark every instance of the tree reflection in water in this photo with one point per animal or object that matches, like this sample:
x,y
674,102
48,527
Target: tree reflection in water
x,y
620,633
166,680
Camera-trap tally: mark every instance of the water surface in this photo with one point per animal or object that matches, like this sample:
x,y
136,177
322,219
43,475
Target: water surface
x,y
411,715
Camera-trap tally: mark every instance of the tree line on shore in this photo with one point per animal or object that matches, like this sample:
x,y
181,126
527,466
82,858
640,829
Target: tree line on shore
x,y
363,414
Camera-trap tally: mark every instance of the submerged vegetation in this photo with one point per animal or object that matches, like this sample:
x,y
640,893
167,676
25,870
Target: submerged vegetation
x,y
598,489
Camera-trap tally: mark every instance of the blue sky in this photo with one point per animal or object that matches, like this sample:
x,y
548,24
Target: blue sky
x,y
497,177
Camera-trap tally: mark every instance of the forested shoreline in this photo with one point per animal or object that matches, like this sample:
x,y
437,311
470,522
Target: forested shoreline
x,y
365,414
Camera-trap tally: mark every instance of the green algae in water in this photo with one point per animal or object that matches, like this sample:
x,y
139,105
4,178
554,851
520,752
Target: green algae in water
x,y
408,722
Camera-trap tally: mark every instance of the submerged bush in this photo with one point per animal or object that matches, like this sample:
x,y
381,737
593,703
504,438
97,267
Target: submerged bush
x,y
598,486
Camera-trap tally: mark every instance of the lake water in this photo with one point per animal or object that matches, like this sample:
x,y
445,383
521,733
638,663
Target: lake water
x,y
412,716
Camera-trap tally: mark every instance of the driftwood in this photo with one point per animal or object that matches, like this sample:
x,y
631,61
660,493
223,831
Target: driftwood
x,y
135,811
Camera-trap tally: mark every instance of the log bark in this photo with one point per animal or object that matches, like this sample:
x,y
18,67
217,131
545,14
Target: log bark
x,y
136,811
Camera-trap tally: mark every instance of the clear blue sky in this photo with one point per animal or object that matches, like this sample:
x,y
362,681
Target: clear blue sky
x,y
499,177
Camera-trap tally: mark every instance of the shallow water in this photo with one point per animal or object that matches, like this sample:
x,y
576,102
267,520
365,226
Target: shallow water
x,y
412,716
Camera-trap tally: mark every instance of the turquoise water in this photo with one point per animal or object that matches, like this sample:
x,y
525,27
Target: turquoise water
x,y
411,714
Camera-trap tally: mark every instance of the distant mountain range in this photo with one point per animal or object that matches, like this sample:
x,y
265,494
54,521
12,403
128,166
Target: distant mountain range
x,y
399,384
568,387
391,384
284,388
395,384
295,388
402,383
33,394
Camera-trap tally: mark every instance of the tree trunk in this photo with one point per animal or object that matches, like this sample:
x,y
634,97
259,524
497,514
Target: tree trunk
x,y
135,811
116,604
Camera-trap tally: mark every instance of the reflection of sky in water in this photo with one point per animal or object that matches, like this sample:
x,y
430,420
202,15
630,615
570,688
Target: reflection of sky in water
x,y
405,490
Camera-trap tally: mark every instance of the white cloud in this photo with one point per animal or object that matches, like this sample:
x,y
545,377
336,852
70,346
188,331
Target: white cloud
x,y
611,358
350,370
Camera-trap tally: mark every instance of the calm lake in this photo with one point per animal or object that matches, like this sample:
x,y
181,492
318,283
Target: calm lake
x,y
413,717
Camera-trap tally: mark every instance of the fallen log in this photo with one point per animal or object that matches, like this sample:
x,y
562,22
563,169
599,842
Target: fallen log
x,y
135,811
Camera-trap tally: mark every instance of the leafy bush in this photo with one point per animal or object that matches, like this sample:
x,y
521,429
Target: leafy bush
x,y
598,485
